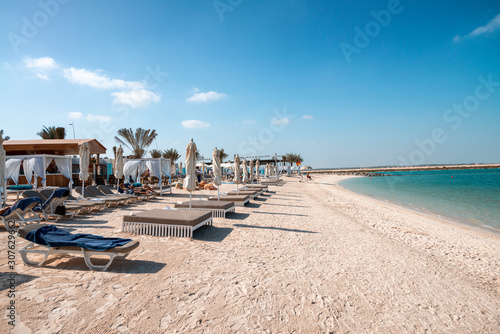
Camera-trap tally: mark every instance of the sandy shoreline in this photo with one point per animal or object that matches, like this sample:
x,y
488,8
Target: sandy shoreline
x,y
307,258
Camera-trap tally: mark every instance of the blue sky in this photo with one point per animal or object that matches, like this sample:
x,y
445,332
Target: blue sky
x,y
343,83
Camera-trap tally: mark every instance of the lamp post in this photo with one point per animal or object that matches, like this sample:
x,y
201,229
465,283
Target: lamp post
x,y
73,124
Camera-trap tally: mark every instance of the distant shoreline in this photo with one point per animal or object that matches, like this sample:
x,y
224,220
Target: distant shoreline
x,y
399,168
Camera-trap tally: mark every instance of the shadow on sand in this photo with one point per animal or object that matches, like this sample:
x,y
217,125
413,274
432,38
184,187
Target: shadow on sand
x,y
273,228
212,233
237,216
122,266
280,213
5,280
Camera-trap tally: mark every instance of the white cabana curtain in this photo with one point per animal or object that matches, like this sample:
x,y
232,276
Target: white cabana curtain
x,y
12,169
35,165
166,167
64,165
154,168
130,169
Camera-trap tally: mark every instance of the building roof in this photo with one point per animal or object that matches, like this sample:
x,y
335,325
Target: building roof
x,y
51,146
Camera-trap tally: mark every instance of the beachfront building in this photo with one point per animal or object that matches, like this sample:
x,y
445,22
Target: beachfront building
x,y
52,158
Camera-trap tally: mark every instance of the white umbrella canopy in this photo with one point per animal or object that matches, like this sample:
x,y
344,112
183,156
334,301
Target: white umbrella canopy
x,y
3,200
257,169
216,165
237,170
251,171
245,172
190,180
84,164
119,162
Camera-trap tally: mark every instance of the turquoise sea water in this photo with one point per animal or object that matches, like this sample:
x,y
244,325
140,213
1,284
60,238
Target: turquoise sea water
x,y
469,196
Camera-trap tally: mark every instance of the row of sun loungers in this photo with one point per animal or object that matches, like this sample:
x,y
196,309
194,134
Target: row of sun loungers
x,y
181,221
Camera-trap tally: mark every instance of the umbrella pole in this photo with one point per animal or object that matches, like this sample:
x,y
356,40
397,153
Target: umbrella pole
x,y
83,189
189,200
218,197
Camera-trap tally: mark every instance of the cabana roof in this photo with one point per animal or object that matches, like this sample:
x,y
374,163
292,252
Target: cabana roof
x,y
51,146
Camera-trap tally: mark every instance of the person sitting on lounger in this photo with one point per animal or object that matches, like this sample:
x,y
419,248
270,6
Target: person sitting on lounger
x,y
125,189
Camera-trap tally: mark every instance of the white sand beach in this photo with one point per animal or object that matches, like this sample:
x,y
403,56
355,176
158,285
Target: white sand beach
x,y
305,258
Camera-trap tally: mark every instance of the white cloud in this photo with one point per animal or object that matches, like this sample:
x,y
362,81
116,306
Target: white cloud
x,y
206,97
45,63
99,118
195,124
281,121
75,115
40,66
491,26
249,121
85,77
307,116
135,98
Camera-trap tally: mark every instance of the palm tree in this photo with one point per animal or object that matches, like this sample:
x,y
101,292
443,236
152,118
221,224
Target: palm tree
x,y
137,142
222,155
2,138
171,154
155,153
292,157
52,132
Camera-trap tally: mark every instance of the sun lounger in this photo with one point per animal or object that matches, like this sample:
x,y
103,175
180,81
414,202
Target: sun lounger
x,y
251,193
239,200
262,187
88,194
58,197
22,212
164,223
41,244
272,182
96,191
218,208
108,192
84,205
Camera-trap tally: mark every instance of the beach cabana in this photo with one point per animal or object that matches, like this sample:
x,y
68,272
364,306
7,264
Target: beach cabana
x,y
35,166
158,167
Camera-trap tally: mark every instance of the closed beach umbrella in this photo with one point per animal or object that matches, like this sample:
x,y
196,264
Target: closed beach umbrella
x,y
180,168
251,171
190,180
237,170
119,162
257,169
245,172
266,171
3,200
216,165
84,164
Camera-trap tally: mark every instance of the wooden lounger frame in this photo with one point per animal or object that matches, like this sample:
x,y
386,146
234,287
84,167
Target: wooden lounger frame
x,y
163,230
216,213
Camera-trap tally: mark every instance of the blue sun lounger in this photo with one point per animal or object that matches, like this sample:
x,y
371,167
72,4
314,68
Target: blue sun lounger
x,y
48,239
